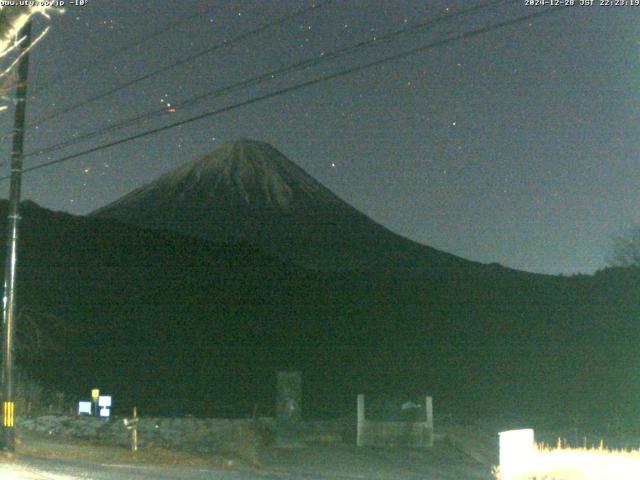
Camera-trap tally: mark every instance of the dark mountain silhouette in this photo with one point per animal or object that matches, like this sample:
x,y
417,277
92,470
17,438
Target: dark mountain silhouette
x,y
249,191
175,324
187,295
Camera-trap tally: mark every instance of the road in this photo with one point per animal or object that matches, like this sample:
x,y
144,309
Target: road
x,y
51,469
56,459
38,468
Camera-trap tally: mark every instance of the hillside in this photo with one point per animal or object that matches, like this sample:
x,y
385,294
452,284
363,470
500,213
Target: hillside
x,y
179,325
248,191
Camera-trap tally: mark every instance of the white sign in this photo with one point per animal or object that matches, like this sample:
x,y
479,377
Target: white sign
x,y
516,452
104,401
84,408
104,412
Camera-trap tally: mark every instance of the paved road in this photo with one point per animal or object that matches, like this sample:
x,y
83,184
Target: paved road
x,y
31,468
45,469
51,459
49,469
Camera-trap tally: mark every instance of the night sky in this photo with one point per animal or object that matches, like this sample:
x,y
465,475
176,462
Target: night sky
x,y
517,146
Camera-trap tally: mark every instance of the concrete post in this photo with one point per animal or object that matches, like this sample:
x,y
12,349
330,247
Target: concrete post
x,y
289,397
428,408
288,408
361,416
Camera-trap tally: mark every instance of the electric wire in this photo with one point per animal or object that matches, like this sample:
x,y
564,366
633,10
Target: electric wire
x,y
325,78
225,43
267,76
130,46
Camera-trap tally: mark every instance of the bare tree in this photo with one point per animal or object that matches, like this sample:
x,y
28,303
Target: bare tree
x,y
40,332
626,249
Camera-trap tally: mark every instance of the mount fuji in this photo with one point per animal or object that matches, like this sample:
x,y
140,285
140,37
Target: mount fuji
x,y
250,192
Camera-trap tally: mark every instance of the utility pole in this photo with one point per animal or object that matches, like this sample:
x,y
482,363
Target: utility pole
x,y
8,440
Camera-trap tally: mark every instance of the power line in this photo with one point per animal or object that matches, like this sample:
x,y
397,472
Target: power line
x,y
300,86
191,58
99,60
306,63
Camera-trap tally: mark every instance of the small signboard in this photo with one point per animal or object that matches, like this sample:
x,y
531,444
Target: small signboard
x,y
104,401
104,412
84,408
95,393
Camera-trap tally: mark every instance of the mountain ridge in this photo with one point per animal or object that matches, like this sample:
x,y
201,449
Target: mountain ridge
x,y
187,326
248,190
232,164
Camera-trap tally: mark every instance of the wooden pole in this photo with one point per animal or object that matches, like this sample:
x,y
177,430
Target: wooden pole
x,y
134,432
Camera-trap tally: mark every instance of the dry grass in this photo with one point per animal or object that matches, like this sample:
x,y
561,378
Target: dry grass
x,y
75,449
562,463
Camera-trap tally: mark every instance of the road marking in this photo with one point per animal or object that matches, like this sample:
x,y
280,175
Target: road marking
x,y
15,472
124,465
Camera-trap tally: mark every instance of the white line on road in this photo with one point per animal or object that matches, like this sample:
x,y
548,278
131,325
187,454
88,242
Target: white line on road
x,y
124,465
14,472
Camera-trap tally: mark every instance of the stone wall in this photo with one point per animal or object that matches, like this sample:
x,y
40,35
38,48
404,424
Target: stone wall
x,y
237,438
244,439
